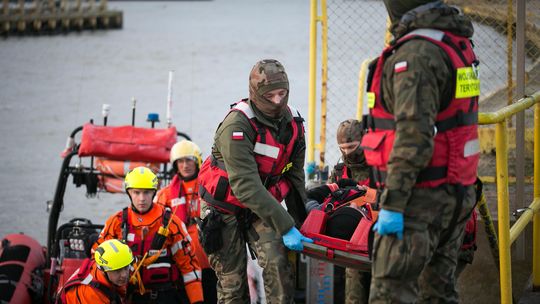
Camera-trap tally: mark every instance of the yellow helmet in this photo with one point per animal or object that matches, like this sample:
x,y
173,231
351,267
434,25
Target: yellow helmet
x,y
186,149
112,255
141,178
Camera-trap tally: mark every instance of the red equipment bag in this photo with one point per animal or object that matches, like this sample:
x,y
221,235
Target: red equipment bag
x,y
127,143
352,251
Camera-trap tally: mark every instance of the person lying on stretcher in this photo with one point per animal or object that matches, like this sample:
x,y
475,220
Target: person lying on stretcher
x,y
344,202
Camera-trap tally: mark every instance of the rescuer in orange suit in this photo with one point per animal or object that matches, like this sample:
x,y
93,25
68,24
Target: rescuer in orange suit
x,y
102,280
165,256
181,195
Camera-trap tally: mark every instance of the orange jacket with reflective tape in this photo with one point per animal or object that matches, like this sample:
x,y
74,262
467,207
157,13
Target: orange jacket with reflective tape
x,y
178,245
182,197
85,290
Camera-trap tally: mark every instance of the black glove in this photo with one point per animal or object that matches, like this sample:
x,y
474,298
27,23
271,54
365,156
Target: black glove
x,y
346,182
318,193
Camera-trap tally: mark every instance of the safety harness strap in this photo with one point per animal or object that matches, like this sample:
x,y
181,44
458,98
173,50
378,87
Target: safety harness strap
x,y
220,205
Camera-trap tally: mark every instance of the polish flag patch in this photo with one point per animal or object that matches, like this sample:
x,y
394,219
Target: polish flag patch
x,y
237,135
400,67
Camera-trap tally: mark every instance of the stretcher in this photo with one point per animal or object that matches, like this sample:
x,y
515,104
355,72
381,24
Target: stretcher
x,y
351,252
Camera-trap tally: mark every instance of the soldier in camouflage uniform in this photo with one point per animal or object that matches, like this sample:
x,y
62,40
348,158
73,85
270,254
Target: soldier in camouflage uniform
x,y
354,166
420,229
238,147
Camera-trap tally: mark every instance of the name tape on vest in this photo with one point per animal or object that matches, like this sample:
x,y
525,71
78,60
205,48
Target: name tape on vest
x,y
467,83
266,150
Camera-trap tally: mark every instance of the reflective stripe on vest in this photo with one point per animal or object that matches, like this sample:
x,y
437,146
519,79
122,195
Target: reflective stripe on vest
x,y
456,149
160,271
83,276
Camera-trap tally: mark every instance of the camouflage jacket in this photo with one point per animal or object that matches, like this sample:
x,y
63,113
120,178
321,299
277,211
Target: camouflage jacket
x,y
244,178
414,96
356,172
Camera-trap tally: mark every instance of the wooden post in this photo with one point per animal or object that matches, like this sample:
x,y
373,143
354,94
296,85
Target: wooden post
x,y
21,24
5,26
36,16
103,5
52,12
5,7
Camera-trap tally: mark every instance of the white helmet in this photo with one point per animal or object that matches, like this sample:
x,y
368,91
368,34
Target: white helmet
x,y
186,149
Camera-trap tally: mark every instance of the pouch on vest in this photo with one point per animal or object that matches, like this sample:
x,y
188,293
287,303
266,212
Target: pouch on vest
x,y
467,153
374,144
211,237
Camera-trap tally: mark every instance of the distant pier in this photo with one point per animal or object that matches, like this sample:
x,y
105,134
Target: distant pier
x,y
20,17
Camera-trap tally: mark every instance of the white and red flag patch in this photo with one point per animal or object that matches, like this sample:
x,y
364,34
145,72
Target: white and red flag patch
x,y
400,67
237,135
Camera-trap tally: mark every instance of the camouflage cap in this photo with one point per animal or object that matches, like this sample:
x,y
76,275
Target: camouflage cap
x,y
268,75
349,130
396,9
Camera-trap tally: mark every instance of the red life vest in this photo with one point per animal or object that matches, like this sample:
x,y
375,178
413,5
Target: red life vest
x,y
272,157
163,270
342,172
456,147
83,276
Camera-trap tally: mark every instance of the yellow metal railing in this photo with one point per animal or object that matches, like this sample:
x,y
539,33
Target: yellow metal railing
x,y
508,235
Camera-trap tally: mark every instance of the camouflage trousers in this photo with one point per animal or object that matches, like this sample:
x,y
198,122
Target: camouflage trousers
x,y
356,286
420,268
230,264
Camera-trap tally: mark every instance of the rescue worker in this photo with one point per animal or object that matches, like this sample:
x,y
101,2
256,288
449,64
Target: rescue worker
x,y
257,161
422,144
101,280
161,243
182,196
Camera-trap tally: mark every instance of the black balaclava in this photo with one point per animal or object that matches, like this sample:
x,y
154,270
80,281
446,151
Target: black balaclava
x,y
348,131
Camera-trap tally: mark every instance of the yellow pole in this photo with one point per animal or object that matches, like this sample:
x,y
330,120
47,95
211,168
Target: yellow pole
x,y
361,89
536,218
324,82
387,35
504,212
312,81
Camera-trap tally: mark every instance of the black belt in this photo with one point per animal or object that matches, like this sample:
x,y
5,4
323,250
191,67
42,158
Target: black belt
x,y
426,175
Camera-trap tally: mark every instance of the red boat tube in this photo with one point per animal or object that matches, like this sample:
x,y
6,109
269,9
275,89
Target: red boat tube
x,y
21,260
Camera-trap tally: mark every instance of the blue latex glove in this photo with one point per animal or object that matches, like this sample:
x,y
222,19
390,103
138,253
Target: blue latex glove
x,y
293,239
310,168
389,222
